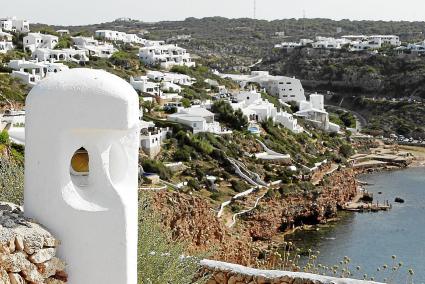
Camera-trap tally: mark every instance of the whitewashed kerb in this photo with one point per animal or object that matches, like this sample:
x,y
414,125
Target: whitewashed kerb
x,y
96,217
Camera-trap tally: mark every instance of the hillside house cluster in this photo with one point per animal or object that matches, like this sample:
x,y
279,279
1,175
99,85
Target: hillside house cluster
x,y
165,55
12,24
258,109
31,72
110,35
285,88
93,47
352,42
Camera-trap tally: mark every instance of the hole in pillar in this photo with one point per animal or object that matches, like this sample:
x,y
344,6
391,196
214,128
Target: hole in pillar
x,y
118,163
79,167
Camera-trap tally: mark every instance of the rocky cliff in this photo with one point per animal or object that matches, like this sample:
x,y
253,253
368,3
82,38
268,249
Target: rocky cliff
x,y
193,219
277,215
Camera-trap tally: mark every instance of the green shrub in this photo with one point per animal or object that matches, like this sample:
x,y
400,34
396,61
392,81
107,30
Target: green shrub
x,y
239,186
11,181
346,150
155,166
194,184
4,137
226,114
183,154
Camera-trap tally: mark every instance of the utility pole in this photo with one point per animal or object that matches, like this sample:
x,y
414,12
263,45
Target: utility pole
x,y
303,20
255,9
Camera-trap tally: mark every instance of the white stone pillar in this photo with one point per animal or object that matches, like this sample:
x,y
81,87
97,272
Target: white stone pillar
x,y
92,211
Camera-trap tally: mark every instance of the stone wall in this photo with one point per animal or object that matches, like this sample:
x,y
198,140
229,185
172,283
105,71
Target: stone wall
x,y
27,251
227,273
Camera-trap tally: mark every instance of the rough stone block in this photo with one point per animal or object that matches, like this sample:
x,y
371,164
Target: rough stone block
x,y
42,255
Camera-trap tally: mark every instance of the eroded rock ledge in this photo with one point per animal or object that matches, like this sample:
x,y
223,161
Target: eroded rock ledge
x,y
27,250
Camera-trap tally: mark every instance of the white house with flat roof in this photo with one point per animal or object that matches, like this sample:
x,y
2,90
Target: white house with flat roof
x,y
166,55
392,40
314,112
13,24
176,78
151,138
285,88
66,54
93,47
258,109
143,85
330,42
31,72
32,41
82,41
119,36
199,119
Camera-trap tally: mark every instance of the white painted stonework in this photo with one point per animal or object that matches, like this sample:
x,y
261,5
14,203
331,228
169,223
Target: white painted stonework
x,y
94,214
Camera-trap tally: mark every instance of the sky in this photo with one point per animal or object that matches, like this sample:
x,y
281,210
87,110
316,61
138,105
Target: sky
x,y
77,12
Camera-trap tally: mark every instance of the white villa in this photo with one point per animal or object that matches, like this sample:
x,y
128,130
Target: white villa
x,y
199,119
258,109
151,137
142,84
32,72
92,47
166,55
314,112
176,78
119,36
330,42
164,90
285,88
66,54
366,45
13,24
5,46
37,40
84,41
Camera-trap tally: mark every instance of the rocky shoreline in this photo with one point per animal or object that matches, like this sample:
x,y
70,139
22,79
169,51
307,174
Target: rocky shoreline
x,y
193,219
